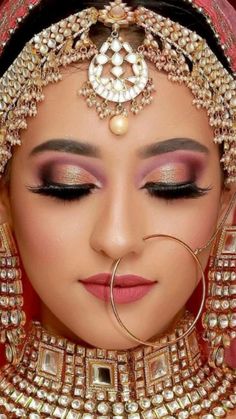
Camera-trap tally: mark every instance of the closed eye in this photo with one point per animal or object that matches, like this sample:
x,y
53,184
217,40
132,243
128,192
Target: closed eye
x,y
172,191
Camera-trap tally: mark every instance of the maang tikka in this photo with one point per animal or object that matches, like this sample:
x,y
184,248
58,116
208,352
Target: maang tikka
x,y
127,76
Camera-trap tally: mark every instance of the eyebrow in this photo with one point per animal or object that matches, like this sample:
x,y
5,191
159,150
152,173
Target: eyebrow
x,y
91,150
173,144
68,146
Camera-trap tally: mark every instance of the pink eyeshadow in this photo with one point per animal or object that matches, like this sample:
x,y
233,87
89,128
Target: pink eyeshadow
x,y
188,164
60,164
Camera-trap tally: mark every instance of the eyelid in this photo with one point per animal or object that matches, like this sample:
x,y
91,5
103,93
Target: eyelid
x,y
170,173
69,174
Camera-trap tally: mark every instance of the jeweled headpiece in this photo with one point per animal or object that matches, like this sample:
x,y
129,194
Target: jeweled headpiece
x,y
118,78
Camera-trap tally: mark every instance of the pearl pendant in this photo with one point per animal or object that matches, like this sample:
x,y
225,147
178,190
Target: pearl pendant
x,y
119,124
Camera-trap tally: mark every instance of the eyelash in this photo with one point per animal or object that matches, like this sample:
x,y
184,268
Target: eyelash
x,y
157,190
187,190
64,192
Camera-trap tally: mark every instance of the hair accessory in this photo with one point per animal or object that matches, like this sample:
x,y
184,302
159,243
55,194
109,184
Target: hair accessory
x,y
170,47
189,329
219,320
121,84
12,316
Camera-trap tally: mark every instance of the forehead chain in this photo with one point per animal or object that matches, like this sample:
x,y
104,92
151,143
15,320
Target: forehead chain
x,y
118,82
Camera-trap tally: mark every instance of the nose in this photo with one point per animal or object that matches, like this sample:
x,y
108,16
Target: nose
x,y
118,228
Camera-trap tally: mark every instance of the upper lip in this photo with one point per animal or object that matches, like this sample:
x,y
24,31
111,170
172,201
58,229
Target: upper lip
x,y
125,281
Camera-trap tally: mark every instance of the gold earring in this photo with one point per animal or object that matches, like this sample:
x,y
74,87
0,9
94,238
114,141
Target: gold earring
x,y
219,320
12,316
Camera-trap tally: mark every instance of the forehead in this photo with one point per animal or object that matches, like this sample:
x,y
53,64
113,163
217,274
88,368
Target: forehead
x,y
65,114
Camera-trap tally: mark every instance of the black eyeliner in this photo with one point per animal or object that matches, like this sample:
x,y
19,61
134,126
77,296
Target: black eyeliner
x,y
187,190
62,192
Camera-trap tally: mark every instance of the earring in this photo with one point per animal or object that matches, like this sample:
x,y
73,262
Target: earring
x,y
12,316
219,320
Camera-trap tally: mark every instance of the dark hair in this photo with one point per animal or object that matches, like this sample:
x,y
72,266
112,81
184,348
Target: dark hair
x,y
51,11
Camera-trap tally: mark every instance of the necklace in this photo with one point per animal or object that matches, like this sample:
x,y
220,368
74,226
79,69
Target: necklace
x,y
56,378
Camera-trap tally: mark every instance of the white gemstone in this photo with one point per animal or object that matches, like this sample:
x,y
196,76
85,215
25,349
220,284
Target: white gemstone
x,y
102,59
168,395
95,84
116,97
161,411
183,415
118,85
105,80
137,70
110,96
149,414
105,94
98,70
118,408
104,48
116,45
131,407
142,85
145,403
121,97
132,79
131,58
137,90
127,95
73,415
223,321
219,411
133,94
117,71
100,89
34,416
117,59
127,47
103,408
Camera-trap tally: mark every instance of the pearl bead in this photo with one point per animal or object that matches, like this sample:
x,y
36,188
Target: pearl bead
x,y
119,124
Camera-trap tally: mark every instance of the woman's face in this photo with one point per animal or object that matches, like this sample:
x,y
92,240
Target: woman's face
x,y
162,177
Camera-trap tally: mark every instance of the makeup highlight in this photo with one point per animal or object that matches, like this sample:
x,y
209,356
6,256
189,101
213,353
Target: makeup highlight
x,y
174,167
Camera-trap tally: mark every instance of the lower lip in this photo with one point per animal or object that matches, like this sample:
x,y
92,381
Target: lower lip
x,y
122,295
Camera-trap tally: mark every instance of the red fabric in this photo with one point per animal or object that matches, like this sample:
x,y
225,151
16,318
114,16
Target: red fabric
x,y
223,17
10,11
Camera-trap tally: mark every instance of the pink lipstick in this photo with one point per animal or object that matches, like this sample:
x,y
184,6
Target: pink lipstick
x,y
127,288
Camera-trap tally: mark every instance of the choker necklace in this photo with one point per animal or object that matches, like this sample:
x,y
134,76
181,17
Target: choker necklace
x,y
56,378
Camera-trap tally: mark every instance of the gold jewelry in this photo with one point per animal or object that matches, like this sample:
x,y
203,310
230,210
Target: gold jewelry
x,y
219,319
170,47
59,379
12,316
188,331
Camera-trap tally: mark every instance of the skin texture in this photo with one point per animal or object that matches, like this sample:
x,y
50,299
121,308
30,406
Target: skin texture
x,y
63,242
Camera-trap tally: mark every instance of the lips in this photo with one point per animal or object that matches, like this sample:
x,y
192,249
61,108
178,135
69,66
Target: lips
x,y
127,288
